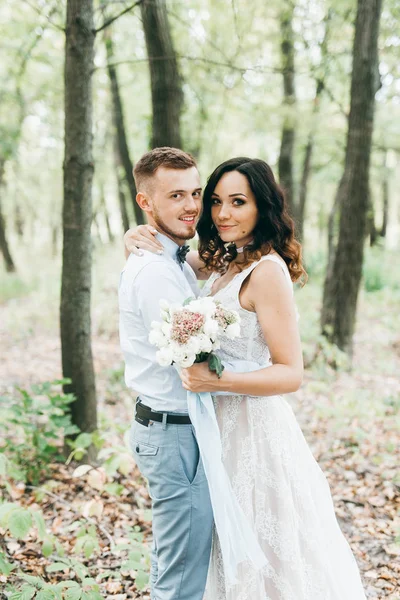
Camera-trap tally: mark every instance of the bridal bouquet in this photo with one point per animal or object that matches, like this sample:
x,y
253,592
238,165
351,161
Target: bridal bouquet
x,y
190,332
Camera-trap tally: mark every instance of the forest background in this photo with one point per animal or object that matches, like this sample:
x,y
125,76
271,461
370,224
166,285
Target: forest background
x,y
310,86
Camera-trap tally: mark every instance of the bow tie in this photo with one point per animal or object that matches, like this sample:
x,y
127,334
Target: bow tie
x,y
181,254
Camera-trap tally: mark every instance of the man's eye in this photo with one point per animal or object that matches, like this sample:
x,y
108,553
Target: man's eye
x,y
176,196
197,194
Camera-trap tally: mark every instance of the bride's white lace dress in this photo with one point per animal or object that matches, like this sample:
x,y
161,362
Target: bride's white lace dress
x,y
279,485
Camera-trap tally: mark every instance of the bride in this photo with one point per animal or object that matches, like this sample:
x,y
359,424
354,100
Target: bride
x,y
249,256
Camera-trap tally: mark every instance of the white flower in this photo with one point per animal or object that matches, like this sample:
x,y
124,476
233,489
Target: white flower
x,y
166,329
192,346
233,331
179,351
188,361
205,343
216,345
164,305
164,356
205,306
157,338
211,328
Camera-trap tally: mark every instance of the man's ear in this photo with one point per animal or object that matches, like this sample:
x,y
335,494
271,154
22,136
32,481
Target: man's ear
x,y
143,202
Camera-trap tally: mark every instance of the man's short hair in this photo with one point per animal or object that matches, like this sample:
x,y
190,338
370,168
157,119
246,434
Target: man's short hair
x,y
169,158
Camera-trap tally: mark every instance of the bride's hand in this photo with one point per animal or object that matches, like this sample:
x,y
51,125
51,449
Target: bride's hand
x,y
199,378
142,238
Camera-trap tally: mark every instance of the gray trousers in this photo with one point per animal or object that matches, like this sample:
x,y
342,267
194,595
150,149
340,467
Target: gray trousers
x,y
168,457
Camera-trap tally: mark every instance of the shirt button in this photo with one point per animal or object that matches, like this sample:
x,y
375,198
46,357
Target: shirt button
x,y
137,448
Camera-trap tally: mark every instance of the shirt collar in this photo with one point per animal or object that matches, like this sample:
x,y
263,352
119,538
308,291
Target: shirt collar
x,y
170,247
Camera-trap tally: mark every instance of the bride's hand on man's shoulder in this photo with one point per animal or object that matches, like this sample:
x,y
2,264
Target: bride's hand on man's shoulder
x,y
142,238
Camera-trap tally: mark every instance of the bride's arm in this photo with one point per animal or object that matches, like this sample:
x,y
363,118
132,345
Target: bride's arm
x,y
272,299
196,263
143,237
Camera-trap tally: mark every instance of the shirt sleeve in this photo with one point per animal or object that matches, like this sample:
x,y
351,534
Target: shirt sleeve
x,y
155,282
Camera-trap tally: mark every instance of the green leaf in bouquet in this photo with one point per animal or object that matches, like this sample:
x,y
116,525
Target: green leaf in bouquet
x,y
202,357
188,300
215,364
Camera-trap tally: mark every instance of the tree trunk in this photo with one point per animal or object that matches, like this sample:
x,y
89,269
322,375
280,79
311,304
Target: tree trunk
x,y
103,206
119,126
285,163
120,188
385,197
4,247
54,241
166,83
77,214
371,227
342,283
319,88
303,186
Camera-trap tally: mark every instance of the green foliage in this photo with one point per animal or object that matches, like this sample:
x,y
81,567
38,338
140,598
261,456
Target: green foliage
x,y
378,272
13,286
138,557
32,429
81,579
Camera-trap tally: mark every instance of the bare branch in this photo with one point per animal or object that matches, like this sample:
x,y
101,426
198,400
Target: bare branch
x,y
257,69
115,17
39,12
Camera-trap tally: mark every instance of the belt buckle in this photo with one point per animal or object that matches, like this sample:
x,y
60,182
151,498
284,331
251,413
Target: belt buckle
x,y
142,421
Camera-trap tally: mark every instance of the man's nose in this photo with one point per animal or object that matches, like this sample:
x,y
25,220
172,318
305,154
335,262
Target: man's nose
x,y
191,204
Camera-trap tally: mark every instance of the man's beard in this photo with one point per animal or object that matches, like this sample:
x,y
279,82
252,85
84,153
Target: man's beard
x,y
164,227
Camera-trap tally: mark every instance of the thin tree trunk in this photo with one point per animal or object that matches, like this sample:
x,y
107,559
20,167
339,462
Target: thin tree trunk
x,y
385,197
4,247
166,83
96,225
306,171
343,282
319,88
18,220
103,206
303,185
119,126
77,215
285,163
120,188
54,241
371,227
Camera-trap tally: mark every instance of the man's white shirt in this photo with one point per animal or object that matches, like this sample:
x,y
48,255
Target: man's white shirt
x,y
145,281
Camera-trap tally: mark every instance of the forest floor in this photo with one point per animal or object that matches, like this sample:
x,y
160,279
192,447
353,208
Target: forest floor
x,y
349,418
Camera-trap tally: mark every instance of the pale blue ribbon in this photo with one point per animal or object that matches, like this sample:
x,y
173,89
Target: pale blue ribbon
x,y
236,536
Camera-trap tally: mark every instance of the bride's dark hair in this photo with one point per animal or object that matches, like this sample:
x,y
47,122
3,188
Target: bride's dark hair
x,y
274,230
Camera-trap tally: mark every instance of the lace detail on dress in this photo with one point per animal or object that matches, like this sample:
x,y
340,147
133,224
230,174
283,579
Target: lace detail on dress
x,y
278,484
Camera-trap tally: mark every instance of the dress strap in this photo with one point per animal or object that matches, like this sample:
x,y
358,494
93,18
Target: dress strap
x,y
274,259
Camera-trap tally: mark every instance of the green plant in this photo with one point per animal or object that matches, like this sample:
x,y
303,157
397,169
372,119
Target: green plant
x,y
376,274
138,557
32,429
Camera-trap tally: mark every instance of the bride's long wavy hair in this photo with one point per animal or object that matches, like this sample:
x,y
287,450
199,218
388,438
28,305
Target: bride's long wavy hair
x,y
274,230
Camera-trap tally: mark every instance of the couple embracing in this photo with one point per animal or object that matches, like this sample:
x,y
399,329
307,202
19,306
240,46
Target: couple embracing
x,y
248,255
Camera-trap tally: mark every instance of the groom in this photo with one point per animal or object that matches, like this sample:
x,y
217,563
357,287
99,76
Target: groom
x,y
162,437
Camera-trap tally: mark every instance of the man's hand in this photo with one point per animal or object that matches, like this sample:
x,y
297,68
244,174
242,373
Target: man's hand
x,y
199,378
142,238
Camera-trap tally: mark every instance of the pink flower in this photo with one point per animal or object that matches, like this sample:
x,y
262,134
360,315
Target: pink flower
x,y
185,323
